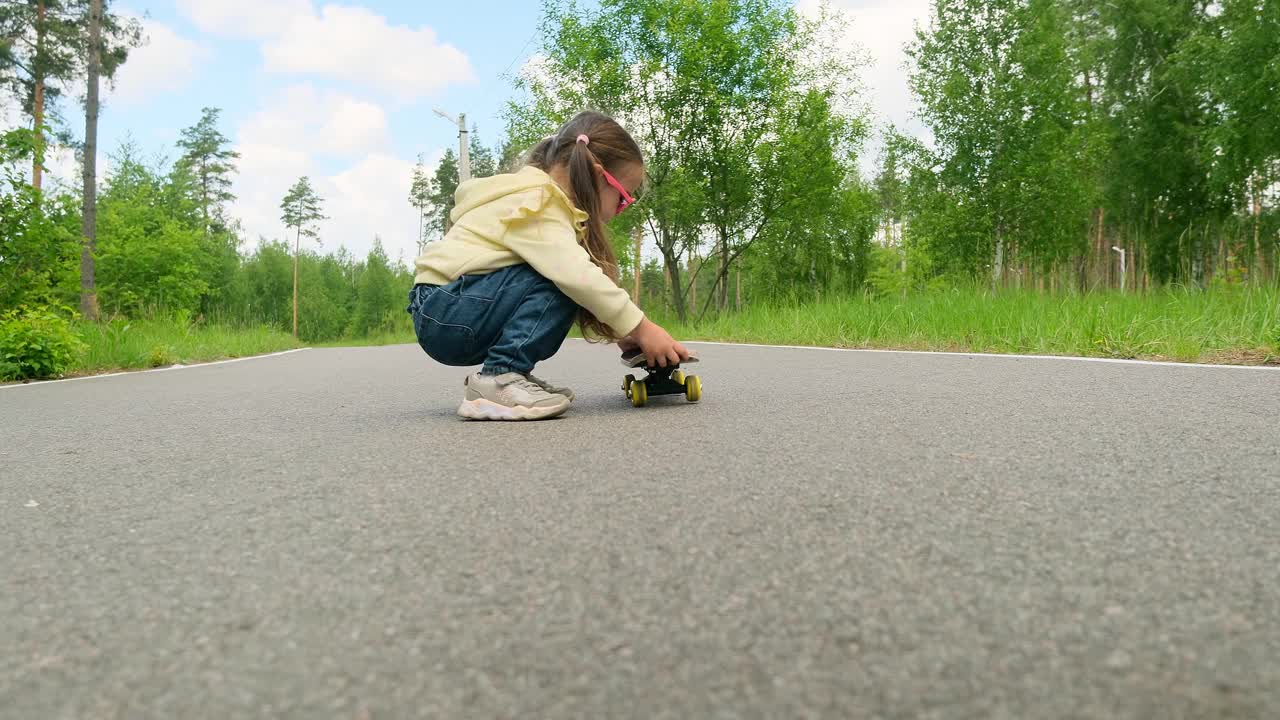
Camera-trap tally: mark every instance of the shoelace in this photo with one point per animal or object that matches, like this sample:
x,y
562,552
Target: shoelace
x,y
527,384
543,384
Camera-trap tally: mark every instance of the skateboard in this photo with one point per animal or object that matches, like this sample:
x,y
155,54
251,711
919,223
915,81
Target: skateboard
x,y
669,380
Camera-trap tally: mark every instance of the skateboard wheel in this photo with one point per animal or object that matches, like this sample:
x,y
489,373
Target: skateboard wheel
x,y
678,377
639,394
693,388
626,384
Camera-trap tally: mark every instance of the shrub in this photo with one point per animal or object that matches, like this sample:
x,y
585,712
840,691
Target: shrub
x,y
36,343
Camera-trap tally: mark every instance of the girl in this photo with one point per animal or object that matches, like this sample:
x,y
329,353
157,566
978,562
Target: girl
x,y
527,254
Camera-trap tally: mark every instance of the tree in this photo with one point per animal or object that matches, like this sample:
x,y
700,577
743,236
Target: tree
x,y
1011,175
41,56
301,209
212,162
38,246
378,296
89,227
1158,182
444,184
150,255
1237,55
44,49
707,89
420,199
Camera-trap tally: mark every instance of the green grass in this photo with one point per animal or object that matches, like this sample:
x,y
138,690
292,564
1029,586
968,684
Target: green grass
x,y
133,344
1236,325
401,337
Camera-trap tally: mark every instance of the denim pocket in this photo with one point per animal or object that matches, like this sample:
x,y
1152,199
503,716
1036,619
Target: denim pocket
x,y
445,343
440,322
485,288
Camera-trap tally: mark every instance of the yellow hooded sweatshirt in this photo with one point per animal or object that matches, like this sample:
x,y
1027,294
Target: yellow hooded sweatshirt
x,y
524,217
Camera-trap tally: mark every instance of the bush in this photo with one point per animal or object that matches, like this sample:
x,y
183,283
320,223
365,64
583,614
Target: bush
x,y
36,343
161,356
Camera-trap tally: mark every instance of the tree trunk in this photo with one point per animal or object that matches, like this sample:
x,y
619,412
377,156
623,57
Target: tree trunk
x,y
89,213
998,271
37,101
666,281
638,235
297,240
204,200
1100,245
693,284
1259,256
722,290
737,305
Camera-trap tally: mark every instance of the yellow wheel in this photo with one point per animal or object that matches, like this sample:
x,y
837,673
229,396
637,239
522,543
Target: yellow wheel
x,y
626,384
639,394
693,388
678,377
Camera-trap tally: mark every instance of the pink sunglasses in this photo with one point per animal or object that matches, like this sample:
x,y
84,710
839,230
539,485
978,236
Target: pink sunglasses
x,y
625,201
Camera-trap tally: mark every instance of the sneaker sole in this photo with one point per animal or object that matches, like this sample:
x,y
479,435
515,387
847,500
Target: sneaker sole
x,y
481,409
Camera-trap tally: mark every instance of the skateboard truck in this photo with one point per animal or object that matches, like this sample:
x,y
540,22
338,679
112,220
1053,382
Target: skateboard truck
x,y
669,380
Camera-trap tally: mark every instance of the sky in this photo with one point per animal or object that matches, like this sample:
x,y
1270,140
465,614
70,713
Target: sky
x,y
343,93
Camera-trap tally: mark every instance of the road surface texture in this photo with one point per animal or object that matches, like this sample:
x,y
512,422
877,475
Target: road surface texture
x,y
827,534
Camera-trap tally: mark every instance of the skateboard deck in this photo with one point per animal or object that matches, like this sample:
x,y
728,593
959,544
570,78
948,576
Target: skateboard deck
x,y
669,380
635,359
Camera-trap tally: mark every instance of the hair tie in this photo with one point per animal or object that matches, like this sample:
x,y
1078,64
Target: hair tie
x,y
584,139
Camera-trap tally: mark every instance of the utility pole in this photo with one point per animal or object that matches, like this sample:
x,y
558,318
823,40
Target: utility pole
x,y
464,147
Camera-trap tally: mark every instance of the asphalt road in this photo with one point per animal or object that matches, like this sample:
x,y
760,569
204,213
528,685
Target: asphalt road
x,y
827,534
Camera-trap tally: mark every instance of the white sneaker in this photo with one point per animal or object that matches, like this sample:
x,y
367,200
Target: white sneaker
x,y
553,389
510,396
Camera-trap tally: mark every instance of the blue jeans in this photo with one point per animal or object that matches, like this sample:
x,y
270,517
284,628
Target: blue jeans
x,y
508,320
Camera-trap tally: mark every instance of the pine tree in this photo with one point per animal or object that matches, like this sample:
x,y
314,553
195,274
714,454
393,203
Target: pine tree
x,y
89,215
420,199
301,209
212,163
44,51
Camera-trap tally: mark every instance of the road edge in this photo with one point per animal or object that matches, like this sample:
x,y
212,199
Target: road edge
x,y
167,368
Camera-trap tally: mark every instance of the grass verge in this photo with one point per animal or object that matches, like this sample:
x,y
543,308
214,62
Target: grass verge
x,y
1238,325
136,344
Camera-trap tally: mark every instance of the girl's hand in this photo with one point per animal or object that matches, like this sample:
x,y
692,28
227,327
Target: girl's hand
x,y
659,348
627,344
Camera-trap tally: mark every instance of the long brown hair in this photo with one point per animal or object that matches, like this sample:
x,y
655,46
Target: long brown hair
x,y
611,146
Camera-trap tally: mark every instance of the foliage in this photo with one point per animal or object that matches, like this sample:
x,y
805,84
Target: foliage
x,y
45,42
711,91
436,197
37,232
36,343
210,162
302,208
150,241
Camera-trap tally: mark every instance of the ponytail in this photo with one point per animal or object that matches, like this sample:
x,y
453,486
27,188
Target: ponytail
x,y
612,147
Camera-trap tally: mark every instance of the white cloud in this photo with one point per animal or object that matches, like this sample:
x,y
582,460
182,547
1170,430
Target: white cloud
x,y
318,121
368,197
244,18
341,42
166,63
358,46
